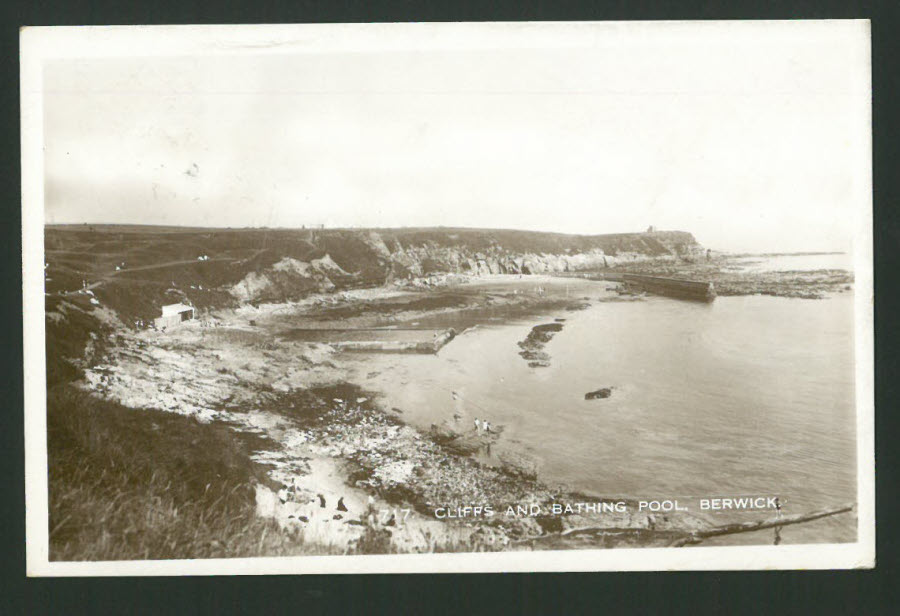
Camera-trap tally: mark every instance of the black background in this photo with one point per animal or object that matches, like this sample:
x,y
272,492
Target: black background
x,y
845,592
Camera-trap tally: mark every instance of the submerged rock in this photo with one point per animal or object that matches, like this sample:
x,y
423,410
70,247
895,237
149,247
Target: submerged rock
x,y
533,345
604,392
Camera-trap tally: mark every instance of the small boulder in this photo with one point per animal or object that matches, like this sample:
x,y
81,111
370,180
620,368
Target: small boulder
x,y
604,392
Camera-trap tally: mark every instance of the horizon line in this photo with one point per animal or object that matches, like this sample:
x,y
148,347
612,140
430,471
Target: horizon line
x,y
321,227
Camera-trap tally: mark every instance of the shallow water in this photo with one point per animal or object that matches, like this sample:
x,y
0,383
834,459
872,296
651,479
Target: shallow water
x,y
744,396
785,263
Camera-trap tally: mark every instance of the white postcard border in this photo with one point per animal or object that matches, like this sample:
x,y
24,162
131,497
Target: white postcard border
x,y
39,45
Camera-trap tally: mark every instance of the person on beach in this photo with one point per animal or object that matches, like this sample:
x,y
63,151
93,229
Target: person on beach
x,y
487,426
477,424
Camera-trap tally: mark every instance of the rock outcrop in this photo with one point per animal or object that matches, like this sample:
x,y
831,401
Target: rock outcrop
x,y
603,392
287,278
533,345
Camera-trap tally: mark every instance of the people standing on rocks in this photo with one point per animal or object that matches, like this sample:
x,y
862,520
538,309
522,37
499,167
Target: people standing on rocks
x,y
477,424
487,426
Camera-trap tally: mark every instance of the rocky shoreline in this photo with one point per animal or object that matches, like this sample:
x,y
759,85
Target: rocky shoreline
x,y
731,278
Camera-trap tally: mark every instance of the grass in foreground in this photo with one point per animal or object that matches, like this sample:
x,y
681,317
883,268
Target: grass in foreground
x,y
131,484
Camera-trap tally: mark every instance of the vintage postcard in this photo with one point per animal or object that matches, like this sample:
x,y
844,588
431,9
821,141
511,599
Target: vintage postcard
x,y
448,297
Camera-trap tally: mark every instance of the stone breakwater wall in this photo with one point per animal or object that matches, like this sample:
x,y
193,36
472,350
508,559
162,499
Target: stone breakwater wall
x,y
672,287
387,345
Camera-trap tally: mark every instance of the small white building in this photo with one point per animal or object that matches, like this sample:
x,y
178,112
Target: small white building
x,y
174,314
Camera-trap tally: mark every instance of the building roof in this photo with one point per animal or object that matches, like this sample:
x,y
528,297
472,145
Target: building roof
x,y
175,309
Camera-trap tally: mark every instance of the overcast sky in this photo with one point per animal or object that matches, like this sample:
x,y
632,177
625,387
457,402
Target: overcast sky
x,y
749,137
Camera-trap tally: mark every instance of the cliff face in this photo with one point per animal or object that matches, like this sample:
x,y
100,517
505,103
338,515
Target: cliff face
x,y
135,270
396,256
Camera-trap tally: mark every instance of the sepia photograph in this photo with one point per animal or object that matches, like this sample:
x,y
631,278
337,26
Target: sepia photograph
x,y
448,297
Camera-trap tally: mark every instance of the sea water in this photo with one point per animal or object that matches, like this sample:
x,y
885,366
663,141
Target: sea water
x,y
744,396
